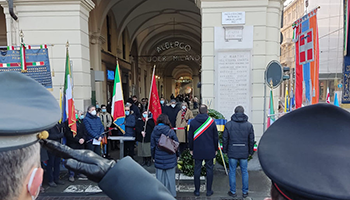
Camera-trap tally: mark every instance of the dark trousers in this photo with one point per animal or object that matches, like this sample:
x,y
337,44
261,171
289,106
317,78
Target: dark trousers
x,y
182,147
53,168
129,148
94,148
197,173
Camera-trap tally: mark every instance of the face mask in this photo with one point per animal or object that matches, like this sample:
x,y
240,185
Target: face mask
x,y
76,116
93,112
162,102
81,117
97,106
173,105
184,107
144,115
127,112
104,110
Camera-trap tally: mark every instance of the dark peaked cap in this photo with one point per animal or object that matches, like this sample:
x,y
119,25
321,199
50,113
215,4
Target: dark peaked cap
x,y
306,153
27,108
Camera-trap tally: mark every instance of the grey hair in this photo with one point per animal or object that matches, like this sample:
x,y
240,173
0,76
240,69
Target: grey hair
x,y
16,166
90,106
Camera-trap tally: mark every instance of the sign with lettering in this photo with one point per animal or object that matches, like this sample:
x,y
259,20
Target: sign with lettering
x,y
158,59
233,18
172,45
37,61
234,33
233,87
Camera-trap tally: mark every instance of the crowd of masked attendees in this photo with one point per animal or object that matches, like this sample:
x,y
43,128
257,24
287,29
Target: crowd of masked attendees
x,y
96,123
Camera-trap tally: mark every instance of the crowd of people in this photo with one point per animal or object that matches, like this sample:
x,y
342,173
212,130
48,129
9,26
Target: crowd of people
x,y
94,126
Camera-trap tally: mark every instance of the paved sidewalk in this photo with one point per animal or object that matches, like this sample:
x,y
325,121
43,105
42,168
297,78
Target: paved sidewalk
x,y
259,186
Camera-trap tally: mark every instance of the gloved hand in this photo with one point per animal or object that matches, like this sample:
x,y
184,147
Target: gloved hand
x,y
82,161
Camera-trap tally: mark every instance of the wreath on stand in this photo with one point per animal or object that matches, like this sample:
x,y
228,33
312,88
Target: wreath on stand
x,y
186,161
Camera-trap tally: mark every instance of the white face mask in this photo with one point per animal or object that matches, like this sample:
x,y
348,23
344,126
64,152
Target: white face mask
x,y
184,107
93,112
173,105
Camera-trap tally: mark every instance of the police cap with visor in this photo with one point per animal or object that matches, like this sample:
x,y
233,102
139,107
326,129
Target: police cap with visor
x,y
28,109
306,153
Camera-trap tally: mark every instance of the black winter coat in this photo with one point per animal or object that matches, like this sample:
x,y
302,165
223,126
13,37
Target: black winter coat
x,y
73,142
56,133
172,114
129,123
206,145
238,137
140,124
162,159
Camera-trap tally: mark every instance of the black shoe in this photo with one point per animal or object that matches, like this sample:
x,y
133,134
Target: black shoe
x,y
144,162
59,182
196,193
231,194
210,193
149,163
52,184
245,195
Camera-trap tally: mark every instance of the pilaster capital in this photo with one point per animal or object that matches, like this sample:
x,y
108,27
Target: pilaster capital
x,y
96,38
88,4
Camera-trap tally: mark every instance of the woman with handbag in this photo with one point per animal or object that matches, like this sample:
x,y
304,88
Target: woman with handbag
x,y
164,162
144,137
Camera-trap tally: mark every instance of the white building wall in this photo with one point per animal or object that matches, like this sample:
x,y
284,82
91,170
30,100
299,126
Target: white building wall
x,y
265,17
330,25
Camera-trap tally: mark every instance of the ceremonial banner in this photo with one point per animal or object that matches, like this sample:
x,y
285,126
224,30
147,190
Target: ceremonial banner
x,y
68,101
34,62
154,103
271,118
307,59
118,110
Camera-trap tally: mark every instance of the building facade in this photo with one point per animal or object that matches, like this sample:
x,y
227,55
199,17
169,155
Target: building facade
x,y
330,27
220,46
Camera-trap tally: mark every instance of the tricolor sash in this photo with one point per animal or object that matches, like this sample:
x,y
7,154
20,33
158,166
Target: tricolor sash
x,y
203,128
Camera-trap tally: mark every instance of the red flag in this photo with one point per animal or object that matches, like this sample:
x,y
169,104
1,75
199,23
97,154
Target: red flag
x,y
154,103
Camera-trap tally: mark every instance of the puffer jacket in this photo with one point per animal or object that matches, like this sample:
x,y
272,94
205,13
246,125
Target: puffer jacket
x,y
130,123
93,125
162,159
238,137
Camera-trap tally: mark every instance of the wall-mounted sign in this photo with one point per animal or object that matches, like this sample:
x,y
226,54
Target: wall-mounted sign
x,y
172,45
233,18
157,59
234,33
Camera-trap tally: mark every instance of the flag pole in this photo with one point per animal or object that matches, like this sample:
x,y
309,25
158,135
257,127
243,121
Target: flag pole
x,y
149,97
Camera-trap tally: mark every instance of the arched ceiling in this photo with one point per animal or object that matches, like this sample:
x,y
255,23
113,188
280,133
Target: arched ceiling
x,y
151,22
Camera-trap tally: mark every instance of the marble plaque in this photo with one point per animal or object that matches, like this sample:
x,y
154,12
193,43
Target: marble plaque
x,y
233,81
233,18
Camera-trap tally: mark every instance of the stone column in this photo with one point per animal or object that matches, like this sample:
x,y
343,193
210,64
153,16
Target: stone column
x,y
56,22
196,90
96,41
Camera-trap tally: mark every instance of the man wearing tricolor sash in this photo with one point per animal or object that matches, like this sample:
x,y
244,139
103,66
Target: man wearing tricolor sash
x,y
203,142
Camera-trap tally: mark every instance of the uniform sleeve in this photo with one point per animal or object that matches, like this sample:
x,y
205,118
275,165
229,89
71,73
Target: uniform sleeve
x,y
128,176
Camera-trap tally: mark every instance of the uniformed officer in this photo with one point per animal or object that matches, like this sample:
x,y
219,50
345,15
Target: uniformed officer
x,y
306,154
28,109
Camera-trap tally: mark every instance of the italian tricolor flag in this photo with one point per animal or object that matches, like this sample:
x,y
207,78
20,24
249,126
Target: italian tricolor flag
x,y
68,101
271,117
118,113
